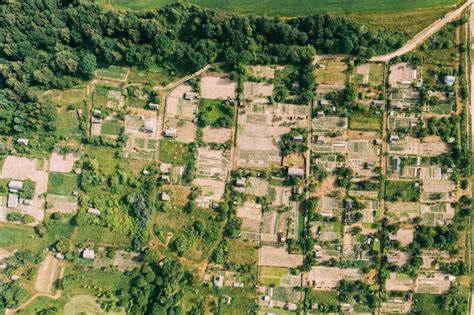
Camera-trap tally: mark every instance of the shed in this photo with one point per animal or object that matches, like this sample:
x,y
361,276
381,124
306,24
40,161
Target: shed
x,y
171,133
219,281
449,80
165,196
323,102
22,141
295,172
153,106
165,167
298,138
320,114
27,202
240,182
291,307
12,201
150,125
88,253
94,211
321,140
393,138
377,103
189,96
295,85
15,184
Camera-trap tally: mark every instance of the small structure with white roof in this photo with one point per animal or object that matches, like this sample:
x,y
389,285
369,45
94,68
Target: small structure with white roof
x,y
88,253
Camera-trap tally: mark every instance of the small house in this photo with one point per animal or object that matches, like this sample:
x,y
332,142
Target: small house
x,y
96,116
295,172
226,299
88,253
165,168
320,114
298,138
321,140
323,102
150,125
397,105
27,202
295,85
12,201
396,162
15,184
22,141
291,307
449,80
14,277
369,165
165,178
349,203
189,96
165,196
93,211
240,182
60,256
378,141
238,284
171,133
393,138
377,103
153,106
219,281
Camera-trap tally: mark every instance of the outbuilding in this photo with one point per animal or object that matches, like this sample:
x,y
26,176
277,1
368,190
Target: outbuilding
x,y
88,253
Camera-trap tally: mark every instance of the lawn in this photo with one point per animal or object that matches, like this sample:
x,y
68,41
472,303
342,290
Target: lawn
x,y
113,73
294,7
407,191
62,184
101,235
136,102
110,127
326,297
364,121
174,152
272,275
425,303
18,238
242,252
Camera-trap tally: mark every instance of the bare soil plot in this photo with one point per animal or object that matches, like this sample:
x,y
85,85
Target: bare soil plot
x,y
329,206
177,107
251,214
278,257
405,236
47,274
434,283
398,282
62,204
212,190
216,135
402,74
213,87
212,163
403,211
186,130
330,123
265,72
21,169
63,163
255,90
124,261
113,73
280,196
437,213
325,278
254,186
396,307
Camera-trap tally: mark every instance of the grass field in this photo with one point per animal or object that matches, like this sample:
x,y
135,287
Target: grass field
x,y
101,235
113,73
272,275
427,304
242,252
62,184
364,122
402,191
174,152
18,238
111,128
293,7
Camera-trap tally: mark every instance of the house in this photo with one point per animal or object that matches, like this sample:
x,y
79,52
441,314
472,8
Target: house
x,y
150,125
27,202
291,307
298,138
22,141
240,182
320,114
96,116
12,201
165,168
397,105
165,178
323,102
165,196
393,138
153,106
88,253
295,85
349,203
377,103
60,256
396,162
14,277
238,284
321,140
171,133
449,80
93,211
378,141
189,96
295,172
369,165
15,184
219,281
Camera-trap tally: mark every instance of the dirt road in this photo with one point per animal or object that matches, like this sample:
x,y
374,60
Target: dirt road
x,y
419,38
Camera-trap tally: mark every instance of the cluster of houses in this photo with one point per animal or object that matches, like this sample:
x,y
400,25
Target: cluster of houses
x,y
14,187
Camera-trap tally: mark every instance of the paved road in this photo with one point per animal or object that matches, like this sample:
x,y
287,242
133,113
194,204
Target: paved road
x,y
419,38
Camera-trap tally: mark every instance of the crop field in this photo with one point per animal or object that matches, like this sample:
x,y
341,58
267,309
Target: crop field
x,y
293,7
62,184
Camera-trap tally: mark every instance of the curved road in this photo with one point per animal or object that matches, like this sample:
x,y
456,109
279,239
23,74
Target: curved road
x,y
419,38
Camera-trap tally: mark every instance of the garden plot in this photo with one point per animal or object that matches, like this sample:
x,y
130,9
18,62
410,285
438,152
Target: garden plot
x,y
371,211
369,74
405,236
403,121
327,278
63,163
327,231
438,186
179,108
437,214
216,135
399,282
213,87
142,123
279,196
110,127
255,90
329,206
331,71
402,74
325,252
212,163
62,204
254,187
398,257
21,169
434,283
278,257
108,96
414,146
86,304
251,214
140,148
264,72
332,123
403,211
423,172
126,261
329,162
47,275
396,306
185,130
212,190
275,276
113,73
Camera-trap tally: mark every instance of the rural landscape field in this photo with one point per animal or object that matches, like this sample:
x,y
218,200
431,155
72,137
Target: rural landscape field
x,y
193,159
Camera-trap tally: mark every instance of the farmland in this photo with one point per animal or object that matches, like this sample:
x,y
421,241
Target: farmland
x,y
292,8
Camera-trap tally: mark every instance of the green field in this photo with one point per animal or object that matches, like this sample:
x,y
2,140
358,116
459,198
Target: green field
x,y
293,7
364,121
174,152
113,73
402,191
62,184
111,128
17,238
